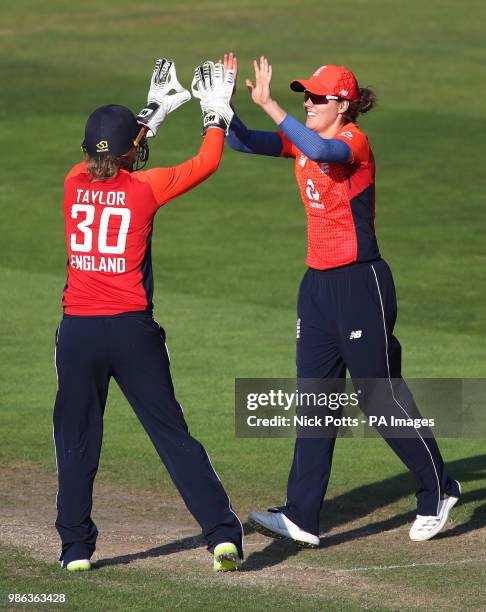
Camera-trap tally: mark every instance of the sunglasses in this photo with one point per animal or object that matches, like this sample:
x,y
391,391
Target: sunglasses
x,y
316,99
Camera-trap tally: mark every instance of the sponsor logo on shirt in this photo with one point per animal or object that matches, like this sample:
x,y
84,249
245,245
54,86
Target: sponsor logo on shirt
x,y
311,191
348,135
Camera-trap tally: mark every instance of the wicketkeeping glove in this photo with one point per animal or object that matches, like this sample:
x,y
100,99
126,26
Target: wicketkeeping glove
x,y
160,102
214,88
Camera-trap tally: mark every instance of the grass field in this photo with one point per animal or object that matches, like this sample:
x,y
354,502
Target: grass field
x,y
228,258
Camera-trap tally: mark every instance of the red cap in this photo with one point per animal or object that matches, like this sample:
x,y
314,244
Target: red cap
x,y
330,80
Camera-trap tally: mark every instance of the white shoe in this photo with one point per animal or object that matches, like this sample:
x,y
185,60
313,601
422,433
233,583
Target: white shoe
x,y
277,525
426,527
79,565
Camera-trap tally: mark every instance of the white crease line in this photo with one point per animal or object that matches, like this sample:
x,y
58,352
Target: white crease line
x,y
389,567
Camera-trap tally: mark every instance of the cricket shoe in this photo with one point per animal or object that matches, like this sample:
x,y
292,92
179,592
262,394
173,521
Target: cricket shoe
x,y
426,527
277,525
226,557
80,565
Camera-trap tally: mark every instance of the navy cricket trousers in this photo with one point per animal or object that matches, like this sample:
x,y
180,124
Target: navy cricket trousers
x,y
346,320
130,348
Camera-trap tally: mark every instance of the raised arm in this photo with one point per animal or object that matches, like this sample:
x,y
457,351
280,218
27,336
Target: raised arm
x,y
212,85
239,137
312,145
260,142
307,141
168,183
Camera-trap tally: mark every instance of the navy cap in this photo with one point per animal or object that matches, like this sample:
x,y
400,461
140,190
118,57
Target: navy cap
x,y
110,130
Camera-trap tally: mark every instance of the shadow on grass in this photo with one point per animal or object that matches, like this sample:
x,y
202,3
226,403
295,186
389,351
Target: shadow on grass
x,y
343,509
363,501
181,545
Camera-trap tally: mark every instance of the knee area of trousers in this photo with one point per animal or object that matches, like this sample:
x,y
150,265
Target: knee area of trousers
x,y
77,454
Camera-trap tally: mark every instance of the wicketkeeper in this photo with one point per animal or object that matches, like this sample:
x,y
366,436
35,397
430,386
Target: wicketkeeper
x,y
108,330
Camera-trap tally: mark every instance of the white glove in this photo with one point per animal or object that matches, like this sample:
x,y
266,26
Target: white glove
x,y
214,88
159,102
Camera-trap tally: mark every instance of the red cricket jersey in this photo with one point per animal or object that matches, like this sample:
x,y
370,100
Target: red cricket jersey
x,y
109,229
339,201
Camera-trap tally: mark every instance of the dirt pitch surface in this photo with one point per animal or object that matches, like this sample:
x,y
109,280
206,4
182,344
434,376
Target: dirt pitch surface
x,y
147,529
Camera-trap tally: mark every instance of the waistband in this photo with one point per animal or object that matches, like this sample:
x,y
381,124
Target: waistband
x,y
147,314
355,265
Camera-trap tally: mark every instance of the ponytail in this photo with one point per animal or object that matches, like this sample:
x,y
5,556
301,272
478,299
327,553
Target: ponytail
x,y
366,101
105,168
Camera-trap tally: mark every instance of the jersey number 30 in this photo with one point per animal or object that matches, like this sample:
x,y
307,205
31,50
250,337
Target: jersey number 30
x,y
84,227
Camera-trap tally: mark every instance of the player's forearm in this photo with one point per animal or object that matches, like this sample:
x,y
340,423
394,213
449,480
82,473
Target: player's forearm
x,y
274,111
259,142
210,153
194,171
168,183
312,145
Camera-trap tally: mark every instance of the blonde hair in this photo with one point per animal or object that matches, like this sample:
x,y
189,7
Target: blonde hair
x,y
105,168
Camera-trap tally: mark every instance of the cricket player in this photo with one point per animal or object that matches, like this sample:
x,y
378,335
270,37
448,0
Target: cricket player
x,y
347,304
108,330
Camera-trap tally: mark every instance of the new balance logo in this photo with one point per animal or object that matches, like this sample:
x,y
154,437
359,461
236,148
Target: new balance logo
x,y
302,160
354,335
